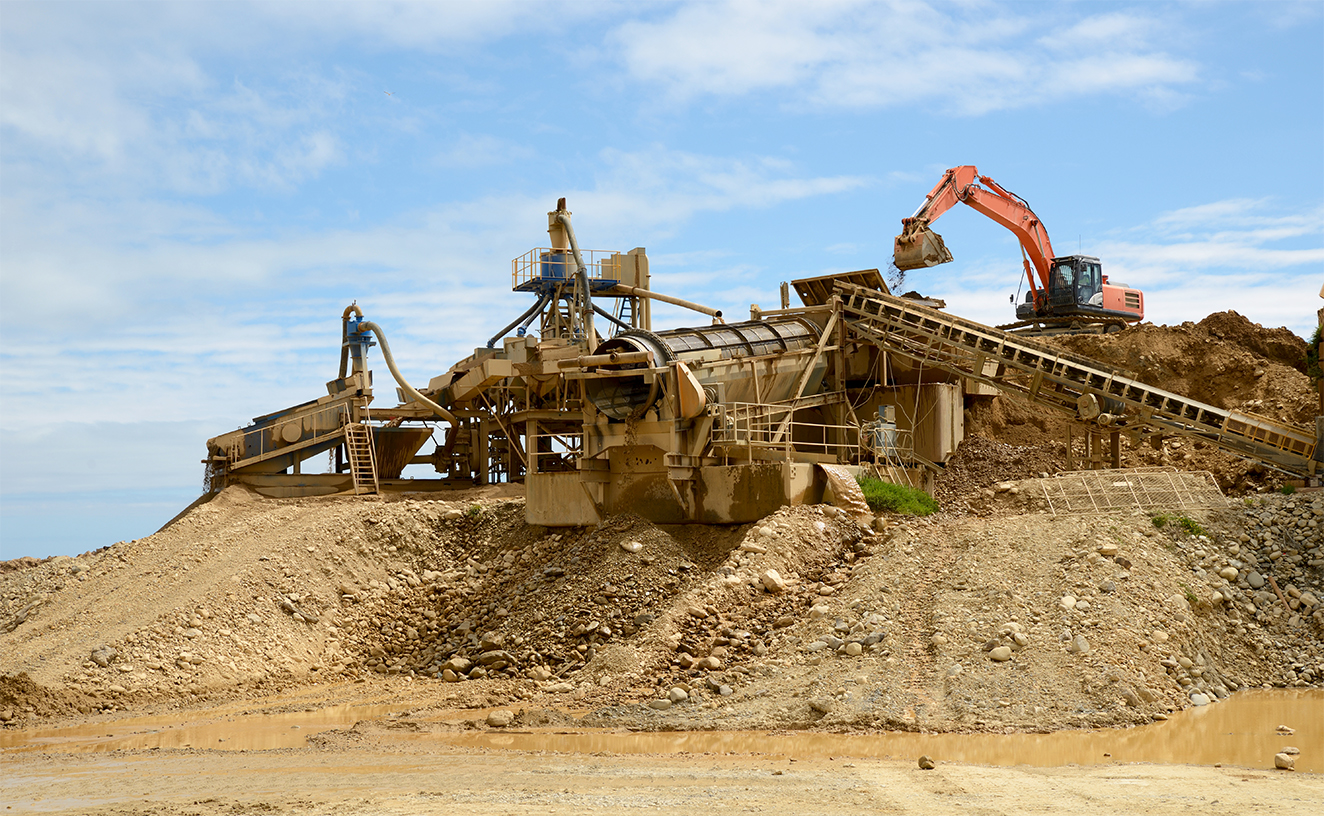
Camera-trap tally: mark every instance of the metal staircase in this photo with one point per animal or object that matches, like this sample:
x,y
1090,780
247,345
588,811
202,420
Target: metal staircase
x,y
1072,384
362,457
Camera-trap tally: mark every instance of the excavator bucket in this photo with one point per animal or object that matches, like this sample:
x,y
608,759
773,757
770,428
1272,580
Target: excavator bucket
x,y
920,249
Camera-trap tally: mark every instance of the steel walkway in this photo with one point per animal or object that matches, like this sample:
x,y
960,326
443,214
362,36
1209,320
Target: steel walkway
x,y
1072,384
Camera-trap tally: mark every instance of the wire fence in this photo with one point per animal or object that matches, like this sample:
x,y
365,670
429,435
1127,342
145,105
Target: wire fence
x,y
1152,488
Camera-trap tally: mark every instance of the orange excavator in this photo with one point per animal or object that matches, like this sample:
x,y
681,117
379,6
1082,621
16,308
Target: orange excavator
x,y
1066,294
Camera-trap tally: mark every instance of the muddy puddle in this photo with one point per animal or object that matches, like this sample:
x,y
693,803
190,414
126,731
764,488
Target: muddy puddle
x,y
1239,731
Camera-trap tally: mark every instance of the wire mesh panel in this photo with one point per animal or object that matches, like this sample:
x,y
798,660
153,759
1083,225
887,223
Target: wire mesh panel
x,y
1102,491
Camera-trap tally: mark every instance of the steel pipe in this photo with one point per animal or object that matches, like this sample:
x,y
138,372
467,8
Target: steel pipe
x,y
621,290
610,358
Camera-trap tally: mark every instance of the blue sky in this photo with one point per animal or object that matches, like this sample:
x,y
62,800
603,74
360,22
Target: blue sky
x,y
191,192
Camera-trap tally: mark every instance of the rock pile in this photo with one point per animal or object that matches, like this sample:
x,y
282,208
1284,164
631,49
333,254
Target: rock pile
x,y
541,605
1018,619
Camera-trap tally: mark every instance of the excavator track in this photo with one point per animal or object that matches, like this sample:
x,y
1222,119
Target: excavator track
x,y
1052,326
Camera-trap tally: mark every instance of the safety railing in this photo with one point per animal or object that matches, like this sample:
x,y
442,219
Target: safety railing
x,y
771,428
886,443
560,451
546,265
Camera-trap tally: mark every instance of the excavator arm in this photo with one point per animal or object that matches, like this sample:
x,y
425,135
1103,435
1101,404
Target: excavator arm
x,y
918,246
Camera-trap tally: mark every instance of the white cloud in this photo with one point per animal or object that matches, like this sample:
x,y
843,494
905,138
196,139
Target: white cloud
x,y
123,317
426,25
968,59
1101,30
1232,234
658,187
171,96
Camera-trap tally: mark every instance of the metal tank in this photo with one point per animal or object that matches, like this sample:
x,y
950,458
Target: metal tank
x,y
630,395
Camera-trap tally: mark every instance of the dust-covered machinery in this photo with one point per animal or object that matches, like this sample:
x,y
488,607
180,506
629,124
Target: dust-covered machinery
x,y
722,422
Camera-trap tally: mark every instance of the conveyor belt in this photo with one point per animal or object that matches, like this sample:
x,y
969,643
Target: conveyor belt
x,y
1063,381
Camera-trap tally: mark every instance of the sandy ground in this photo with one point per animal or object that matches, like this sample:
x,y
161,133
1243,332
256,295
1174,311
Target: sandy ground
x,y
405,779
380,749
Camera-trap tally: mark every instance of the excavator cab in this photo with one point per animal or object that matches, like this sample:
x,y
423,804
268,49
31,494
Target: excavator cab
x,y
1075,281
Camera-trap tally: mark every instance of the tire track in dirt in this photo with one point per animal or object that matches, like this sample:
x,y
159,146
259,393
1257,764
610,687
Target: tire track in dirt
x,y
916,620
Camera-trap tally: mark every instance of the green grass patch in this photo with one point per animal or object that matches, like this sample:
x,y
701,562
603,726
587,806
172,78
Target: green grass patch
x,y
1287,490
1190,596
893,498
474,511
1188,525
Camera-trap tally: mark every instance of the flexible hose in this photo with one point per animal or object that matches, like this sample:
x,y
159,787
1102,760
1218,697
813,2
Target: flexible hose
x,y
344,335
368,325
581,277
612,318
524,327
533,310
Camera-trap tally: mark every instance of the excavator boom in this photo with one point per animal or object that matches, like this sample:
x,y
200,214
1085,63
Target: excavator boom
x,y
1058,287
919,246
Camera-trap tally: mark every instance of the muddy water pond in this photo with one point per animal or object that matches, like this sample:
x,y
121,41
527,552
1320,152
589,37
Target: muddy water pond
x,y
1240,731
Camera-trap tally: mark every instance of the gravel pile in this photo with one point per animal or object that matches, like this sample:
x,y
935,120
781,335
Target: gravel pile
x,y
1014,618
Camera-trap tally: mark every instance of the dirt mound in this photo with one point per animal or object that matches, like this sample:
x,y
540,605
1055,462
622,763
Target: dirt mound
x,y
804,619
25,562
1224,360
21,697
1279,345
980,463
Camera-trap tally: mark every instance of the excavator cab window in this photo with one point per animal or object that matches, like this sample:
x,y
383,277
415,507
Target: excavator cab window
x,y
1075,280
1089,284
1062,283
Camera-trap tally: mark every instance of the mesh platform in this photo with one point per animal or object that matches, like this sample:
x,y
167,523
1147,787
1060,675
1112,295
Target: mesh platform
x,y
1102,491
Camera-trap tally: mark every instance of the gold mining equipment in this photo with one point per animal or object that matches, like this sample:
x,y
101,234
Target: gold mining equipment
x,y
597,413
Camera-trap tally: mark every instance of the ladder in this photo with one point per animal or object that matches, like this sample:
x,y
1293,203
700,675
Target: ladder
x,y
625,312
1067,382
362,457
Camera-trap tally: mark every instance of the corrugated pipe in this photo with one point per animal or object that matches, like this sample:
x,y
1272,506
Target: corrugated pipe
x,y
368,325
